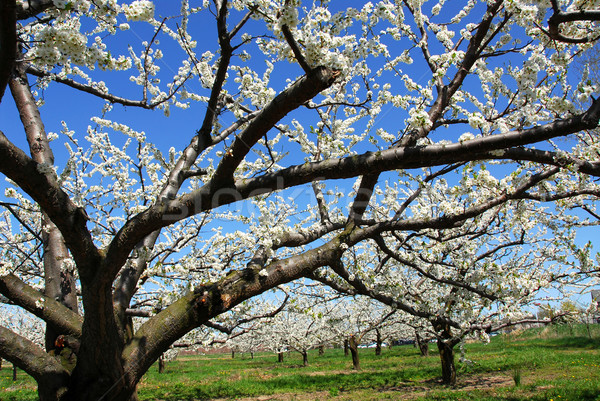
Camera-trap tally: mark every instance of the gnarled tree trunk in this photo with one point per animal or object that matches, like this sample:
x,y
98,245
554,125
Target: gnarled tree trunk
x,y
447,358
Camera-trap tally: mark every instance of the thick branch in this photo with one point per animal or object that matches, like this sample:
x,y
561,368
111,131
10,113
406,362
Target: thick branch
x,y
416,156
290,99
126,286
363,197
51,311
549,158
560,17
472,54
206,302
8,42
220,186
44,368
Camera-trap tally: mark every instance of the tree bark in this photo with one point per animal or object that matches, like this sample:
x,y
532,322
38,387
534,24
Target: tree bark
x,y
378,343
161,364
8,42
346,347
447,358
280,357
422,344
14,373
321,350
446,343
59,279
353,343
304,357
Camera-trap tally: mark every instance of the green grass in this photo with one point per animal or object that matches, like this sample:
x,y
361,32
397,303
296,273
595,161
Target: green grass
x,y
558,363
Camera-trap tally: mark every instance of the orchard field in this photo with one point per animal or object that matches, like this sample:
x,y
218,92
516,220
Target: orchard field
x,y
556,363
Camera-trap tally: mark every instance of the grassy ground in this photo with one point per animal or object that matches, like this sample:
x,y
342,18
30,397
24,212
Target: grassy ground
x,y
558,363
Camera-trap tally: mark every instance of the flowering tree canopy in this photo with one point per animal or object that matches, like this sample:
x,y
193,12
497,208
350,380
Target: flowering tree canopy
x,y
307,132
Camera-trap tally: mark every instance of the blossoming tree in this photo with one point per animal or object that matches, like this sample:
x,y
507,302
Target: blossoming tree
x,y
464,280
310,117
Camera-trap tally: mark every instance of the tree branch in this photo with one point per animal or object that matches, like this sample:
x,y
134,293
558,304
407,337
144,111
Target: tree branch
x,y
206,302
8,42
44,368
560,17
289,38
41,185
89,89
51,311
30,8
220,186
430,276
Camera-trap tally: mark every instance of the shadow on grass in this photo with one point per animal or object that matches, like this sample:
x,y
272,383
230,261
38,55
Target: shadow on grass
x,y
296,383
575,342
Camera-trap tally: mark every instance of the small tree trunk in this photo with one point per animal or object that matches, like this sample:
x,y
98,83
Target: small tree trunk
x,y
378,343
251,354
447,357
346,347
321,350
161,364
354,351
232,354
304,358
0,363
14,373
423,345
280,357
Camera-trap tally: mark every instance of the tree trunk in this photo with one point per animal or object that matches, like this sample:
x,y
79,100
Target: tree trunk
x,y
59,280
161,364
354,350
378,343
232,354
14,377
346,347
251,354
280,357
321,350
422,344
304,358
446,349
446,343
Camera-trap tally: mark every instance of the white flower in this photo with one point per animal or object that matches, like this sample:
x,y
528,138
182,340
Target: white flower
x,y
39,303
467,136
139,10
